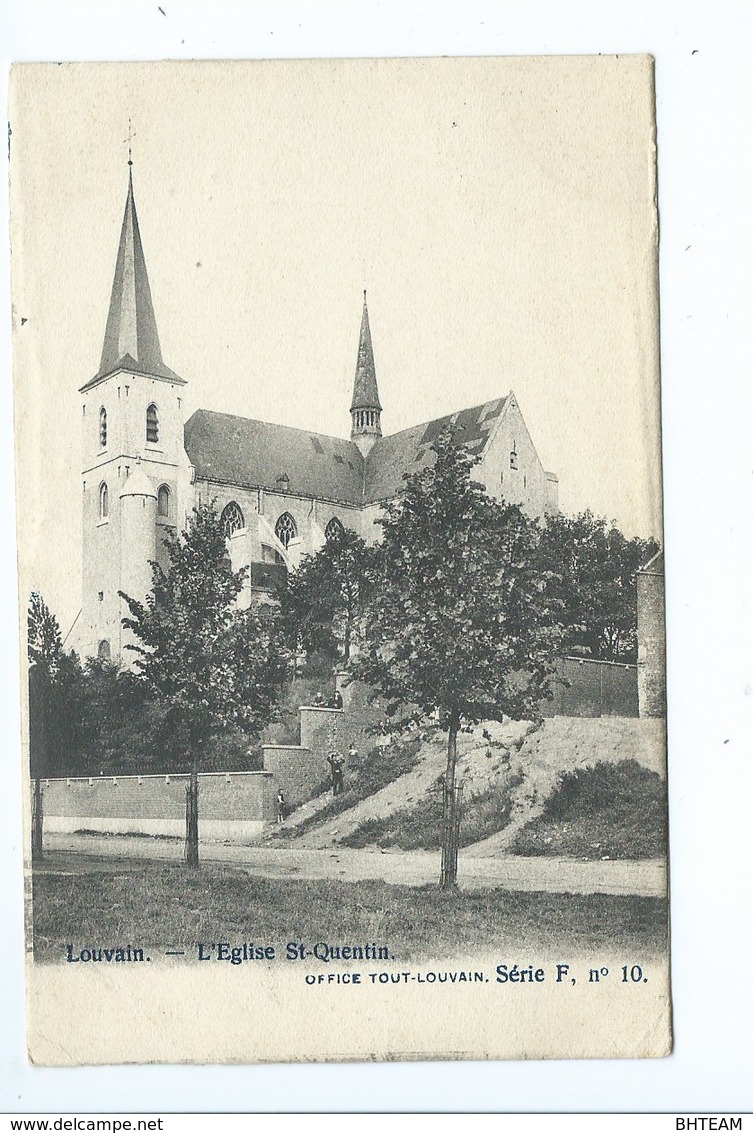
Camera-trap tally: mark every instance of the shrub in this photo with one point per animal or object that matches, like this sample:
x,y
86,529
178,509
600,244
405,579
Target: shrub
x,y
611,810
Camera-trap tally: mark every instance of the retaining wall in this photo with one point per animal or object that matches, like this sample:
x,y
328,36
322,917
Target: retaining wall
x,y
298,771
233,806
593,688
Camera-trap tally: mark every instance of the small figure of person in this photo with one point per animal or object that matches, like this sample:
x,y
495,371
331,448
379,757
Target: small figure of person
x,y
352,756
319,701
337,700
280,805
336,766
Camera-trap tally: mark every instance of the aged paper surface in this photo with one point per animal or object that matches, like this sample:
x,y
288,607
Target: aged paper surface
x,y
501,215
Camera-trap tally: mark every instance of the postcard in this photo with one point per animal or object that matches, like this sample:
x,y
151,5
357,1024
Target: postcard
x,y
341,595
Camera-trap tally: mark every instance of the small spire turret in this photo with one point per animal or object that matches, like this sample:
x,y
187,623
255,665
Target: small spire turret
x,y
365,409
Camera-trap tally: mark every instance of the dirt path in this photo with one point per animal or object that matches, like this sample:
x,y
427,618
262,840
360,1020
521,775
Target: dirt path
x,y
69,853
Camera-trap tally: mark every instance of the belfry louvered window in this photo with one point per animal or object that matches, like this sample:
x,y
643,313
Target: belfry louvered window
x,y
152,425
103,427
285,529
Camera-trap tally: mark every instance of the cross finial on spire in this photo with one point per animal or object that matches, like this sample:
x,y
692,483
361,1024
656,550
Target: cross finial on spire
x,y
131,136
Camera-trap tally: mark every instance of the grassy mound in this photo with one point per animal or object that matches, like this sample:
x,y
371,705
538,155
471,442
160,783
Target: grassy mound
x,y
611,810
419,827
376,769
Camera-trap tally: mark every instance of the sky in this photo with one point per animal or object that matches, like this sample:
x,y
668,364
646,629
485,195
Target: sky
x,y
499,212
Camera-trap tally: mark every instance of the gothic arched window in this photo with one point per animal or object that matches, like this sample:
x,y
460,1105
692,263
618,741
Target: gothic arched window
x,y
232,519
104,501
103,427
103,651
163,502
285,529
152,425
334,529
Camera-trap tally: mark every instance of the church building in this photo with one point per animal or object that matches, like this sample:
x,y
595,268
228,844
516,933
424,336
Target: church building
x,y
281,491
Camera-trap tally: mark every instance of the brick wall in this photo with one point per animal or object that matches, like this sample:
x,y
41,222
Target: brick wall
x,y
298,771
233,806
593,688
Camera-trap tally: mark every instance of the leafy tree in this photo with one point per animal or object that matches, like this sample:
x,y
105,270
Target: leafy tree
x,y
44,641
55,694
596,565
212,666
125,730
323,601
461,618
54,705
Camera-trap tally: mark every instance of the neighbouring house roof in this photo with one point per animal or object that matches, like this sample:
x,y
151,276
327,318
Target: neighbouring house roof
x,y
131,339
236,450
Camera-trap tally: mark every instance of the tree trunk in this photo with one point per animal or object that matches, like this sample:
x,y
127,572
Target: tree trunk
x,y
192,816
449,870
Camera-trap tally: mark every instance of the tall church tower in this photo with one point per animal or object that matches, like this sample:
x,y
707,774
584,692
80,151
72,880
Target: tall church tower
x,y
365,410
133,454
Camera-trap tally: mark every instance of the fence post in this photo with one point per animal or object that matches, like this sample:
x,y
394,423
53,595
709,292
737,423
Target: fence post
x,y
601,690
37,822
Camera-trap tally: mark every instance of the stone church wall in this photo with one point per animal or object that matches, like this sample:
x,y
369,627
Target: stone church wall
x,y
511,468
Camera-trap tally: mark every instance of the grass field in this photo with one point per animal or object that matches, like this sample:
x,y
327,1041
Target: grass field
x,y
168,905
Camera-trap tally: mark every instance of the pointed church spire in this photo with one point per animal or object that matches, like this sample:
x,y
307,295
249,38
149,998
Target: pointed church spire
x,y
365,392
131,339
365,409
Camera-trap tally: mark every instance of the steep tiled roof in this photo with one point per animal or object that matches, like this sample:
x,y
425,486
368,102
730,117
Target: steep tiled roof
x,y
236,450
131,338
410,450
